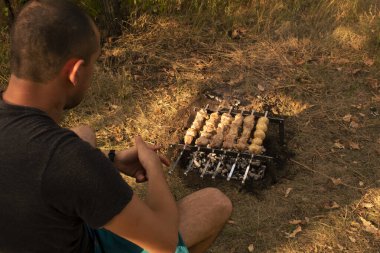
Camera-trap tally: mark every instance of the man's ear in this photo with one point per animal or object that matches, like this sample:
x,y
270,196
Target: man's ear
x,y
73,68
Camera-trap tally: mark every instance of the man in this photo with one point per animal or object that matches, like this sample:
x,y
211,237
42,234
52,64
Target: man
x,y
58,192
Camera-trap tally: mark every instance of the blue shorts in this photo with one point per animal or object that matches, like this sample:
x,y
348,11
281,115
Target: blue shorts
x,y
108,242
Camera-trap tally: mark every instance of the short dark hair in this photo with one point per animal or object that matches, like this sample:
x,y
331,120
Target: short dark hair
x,y
46,34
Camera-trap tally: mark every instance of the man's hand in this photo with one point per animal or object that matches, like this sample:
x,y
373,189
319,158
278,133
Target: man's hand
x,y
127,161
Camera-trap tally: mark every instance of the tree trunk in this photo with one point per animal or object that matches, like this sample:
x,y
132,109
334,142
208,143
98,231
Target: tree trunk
x,y
112,20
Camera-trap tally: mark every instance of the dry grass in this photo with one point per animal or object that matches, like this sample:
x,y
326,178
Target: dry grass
x,y
320,59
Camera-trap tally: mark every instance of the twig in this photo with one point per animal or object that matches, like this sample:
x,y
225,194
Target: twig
x,y
324,175
284,87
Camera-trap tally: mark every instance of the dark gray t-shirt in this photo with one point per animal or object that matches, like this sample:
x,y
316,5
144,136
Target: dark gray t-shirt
x,y
51,184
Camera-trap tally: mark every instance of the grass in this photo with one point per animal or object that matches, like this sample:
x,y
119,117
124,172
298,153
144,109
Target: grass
x,y
320,59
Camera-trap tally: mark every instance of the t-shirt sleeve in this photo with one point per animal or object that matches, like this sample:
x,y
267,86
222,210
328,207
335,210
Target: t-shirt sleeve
x,y
80,181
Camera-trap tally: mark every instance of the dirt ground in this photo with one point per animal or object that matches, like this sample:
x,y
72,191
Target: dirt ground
x,y
149,80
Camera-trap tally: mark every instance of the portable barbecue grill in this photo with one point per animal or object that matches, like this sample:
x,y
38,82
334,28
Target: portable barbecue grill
x,y
231,163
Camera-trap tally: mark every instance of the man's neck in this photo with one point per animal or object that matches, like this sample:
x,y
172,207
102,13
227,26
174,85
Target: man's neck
x,y
46,97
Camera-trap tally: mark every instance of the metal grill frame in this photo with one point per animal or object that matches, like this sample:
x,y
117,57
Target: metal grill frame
x,y
232,154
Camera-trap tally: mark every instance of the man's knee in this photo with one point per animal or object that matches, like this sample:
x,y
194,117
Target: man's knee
x,y
223,204
86,133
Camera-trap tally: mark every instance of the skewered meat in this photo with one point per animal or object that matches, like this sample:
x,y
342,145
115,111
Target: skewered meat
x,y
255,149
259,134
262,126
229,140
191,132
263,120
257,141
202,141
188,139
197,124
248,124
208,130
216,141
222,129
241,146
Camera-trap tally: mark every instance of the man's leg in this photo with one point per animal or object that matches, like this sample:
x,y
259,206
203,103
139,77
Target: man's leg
x,y
86,133
202,216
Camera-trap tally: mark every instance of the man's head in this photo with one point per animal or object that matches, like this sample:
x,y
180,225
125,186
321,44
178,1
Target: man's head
x,y
52,38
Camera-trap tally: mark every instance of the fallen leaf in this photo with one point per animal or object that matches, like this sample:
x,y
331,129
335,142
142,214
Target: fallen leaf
x,y
295,222
356,71
336,181
231,222
295,232
354,145
353,229
288,191
351,239
338,145
347,118
369,227
373,83
331,205
369,62
355,119
353,124
358,106
251,248
260,87
367,205
355,224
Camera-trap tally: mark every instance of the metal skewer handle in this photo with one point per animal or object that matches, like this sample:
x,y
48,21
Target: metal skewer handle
x,y
177,161
247,170
207,165
189,167
218,166
233,168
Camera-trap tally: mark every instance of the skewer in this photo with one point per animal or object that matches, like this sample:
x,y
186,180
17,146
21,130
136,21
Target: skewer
x,y
207,165
189,167
233,168
217,167
177,161
247,170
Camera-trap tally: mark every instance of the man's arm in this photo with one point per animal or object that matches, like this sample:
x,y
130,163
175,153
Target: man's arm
x,y
151,224
127,162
